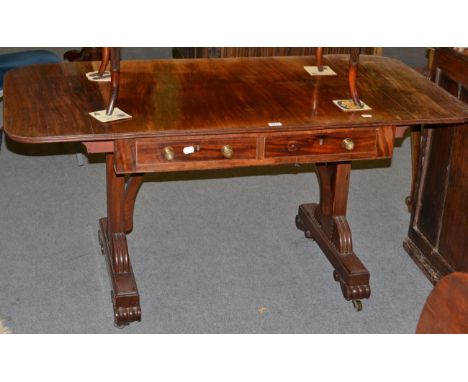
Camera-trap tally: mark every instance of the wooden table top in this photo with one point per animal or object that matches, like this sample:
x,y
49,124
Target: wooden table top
x,y
50,103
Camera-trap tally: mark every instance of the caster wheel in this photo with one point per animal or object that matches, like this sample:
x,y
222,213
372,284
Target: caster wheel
x,y
121,326
357,305
336,276
299,224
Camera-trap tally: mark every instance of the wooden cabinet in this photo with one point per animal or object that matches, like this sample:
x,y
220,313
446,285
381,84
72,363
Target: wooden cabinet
x,y
438,234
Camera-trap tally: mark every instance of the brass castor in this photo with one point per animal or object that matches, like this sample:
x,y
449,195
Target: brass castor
x,y
357,305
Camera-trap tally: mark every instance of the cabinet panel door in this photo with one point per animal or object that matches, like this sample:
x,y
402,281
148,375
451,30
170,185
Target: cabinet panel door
x,y
429,218
454,235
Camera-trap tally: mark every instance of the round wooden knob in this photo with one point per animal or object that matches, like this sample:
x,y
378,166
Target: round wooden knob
x,y
227,151
169,153
348,144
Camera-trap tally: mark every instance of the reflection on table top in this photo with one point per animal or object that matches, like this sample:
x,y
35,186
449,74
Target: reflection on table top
x,y
50,103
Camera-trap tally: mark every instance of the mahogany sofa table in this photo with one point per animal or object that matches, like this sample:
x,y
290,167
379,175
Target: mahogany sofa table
x,y
211,114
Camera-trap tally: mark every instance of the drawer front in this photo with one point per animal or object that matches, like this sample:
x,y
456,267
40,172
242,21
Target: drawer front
x,y
155,151
159,155
140,155
349,143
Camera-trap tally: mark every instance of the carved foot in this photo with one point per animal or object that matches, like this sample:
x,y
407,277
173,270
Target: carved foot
x,y
334,238
124,315
124,294
352,292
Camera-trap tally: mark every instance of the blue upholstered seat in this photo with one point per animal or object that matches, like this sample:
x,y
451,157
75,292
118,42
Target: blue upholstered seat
x,y
14,60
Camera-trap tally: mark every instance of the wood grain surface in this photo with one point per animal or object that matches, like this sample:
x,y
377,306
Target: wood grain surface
x,y
446,308
206,96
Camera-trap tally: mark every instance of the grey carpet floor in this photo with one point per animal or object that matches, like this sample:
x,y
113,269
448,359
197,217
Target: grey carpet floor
x,y
213,252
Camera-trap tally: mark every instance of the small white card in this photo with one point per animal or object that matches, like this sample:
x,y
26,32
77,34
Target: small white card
x,y
116,115
313,71
273,124
349,105
93,76
188,150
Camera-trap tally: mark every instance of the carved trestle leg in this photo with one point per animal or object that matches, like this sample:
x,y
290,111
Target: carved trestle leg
x,y
326,223
121,195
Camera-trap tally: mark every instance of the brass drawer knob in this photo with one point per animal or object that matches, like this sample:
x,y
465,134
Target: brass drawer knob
x,y
169,153
227,151
348,144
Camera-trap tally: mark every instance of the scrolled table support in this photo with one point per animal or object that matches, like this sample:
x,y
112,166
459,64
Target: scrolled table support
x,y
121,195
326,223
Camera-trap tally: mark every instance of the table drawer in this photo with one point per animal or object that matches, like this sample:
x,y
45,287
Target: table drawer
x,y
140,155
158,154
349,143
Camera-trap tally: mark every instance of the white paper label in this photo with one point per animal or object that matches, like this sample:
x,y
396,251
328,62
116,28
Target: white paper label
x,y
188,150
116,115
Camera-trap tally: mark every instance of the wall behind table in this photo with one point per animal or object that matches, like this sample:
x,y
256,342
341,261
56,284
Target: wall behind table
x,y
415,57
